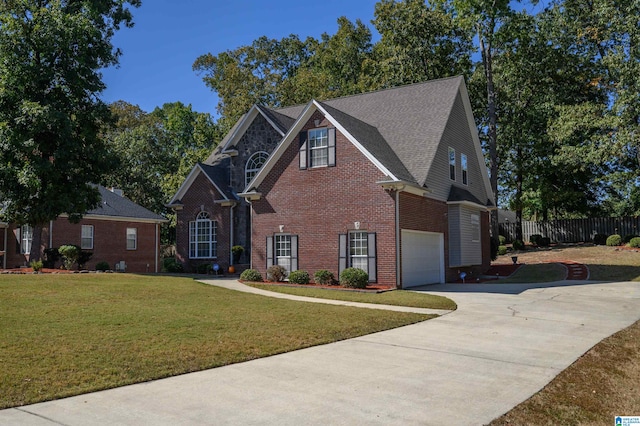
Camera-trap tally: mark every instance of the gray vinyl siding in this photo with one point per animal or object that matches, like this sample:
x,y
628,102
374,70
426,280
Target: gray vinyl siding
x,y
463,250
457,135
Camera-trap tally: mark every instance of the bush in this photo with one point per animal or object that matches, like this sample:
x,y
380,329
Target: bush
x,y
204,268
70,254
600,239
324,277
494,244
251,275
354,278
36,265
103,266
502,250
614,240
83,257
635,242
544,242
518,245
171,264
51,256
237,252
276,273
535,239
502,240
299,277
627,238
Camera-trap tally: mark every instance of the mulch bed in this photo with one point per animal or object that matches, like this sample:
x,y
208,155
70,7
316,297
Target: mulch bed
x,y
19,271
371,288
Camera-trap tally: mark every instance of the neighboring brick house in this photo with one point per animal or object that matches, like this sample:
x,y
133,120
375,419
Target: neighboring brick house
x,y
118,230
393,182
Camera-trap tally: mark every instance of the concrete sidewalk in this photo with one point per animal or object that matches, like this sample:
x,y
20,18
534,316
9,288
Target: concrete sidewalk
x,y
503,344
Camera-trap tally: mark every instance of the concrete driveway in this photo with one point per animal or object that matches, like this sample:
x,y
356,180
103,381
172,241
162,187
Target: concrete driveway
x,y
503,344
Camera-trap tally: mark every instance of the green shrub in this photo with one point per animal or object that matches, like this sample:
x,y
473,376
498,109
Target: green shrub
x,y
502,250
614,240
51,256
237,252
518,245
600,239
251,275
83,257
494,244
535,239
70,254
299,277
635,242
627,238
276,273
171,264
36,265
324,277
544,242
502,239
102,266
204,268
354,278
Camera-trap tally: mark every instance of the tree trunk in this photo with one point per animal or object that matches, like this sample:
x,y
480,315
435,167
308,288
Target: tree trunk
x,y
37,245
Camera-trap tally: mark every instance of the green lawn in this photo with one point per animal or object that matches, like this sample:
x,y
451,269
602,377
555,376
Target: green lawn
x,y
395,297
64,335
536,273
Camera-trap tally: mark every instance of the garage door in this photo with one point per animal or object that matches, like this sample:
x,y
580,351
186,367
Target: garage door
x,y
422,258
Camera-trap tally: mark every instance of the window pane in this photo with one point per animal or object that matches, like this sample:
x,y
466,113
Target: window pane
x,y
319,147
283,251
27,238
358,250
87,237
132,238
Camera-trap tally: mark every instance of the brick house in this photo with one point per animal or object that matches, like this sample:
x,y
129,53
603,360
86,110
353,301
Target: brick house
x,y
393,182
118,230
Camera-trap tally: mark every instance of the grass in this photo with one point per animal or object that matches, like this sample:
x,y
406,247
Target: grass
x,y
603,383
64,335
537,273
395,297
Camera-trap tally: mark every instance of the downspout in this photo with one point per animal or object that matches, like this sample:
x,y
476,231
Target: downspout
x,y
231,234
398,258
156,248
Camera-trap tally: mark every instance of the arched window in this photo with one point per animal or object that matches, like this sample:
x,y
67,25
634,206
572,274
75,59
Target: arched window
x,y
254,163
202,237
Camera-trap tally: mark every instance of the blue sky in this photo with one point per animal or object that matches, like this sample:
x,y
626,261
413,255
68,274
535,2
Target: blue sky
x,y
169,35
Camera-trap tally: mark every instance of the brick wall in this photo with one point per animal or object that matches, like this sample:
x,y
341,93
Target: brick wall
x,y
201,196
319,204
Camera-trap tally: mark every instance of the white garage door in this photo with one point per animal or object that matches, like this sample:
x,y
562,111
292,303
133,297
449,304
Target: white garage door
x,y
422,258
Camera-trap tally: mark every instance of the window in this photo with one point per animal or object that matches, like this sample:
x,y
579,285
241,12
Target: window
x,y
475,228
86,239
358,250
282,249
202,237
254,164
132,238
26,231
463,163
452,164
318,148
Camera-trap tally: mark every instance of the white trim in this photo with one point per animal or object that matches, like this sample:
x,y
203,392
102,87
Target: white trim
x,y
191,177
244,123
118,218
469,204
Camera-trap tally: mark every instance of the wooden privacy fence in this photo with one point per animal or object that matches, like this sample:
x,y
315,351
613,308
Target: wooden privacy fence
x,y
573,230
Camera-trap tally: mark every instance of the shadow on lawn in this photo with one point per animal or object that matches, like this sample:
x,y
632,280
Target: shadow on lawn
x,y
614,272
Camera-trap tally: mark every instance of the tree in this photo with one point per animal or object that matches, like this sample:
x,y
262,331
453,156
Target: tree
x,y
50,112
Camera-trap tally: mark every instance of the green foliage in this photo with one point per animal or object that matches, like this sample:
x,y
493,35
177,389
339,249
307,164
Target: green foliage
x,y
204,268
51,256
494,244
535,239
237,252
627,238
276,273
635,242
502,250
36,265
70,254
324,277
354,278
172,265
83,257
103,266
518,245
50,109
251,275
502,239
614,240
544,242
299,277
600,239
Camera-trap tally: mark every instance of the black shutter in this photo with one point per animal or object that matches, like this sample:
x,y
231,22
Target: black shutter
x,y
294,253
269,251
342,250
332,147
371,257
303,150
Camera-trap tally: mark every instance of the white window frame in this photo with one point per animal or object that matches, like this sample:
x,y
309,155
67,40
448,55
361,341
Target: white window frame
x,y
203,242
253,166
86,237
283,253
359,250
318,147
452,164
26,239
465,170
132,238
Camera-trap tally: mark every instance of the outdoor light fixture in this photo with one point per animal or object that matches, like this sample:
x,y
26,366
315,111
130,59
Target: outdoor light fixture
x,y
281,228
356,225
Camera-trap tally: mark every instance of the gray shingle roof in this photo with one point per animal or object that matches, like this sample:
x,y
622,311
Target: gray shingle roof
x,y
115,205
457,194
218,172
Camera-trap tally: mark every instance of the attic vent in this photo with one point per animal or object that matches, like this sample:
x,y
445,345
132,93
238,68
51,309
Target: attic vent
x,y
117,191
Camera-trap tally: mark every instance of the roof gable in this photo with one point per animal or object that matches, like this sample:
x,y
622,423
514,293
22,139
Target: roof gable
x,y
114,205
217,174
